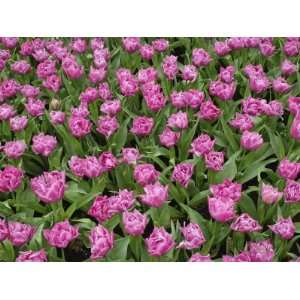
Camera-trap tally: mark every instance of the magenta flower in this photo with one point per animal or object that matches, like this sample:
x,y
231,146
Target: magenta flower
x,y
291,192
242,257
160,45
10,179
102,241
49,187
160,242
200,57
18,123
155,194
243,122
57,117
262,251
169,138
145,174
227,189
61,234
189,73
130,155
142,126
221,209
43,144
131,44
107,125
203,144
134,222
193,236
182,173
107,161
79,126
197,257
170,67
245,223
178,120
14,149
209,111
32,256
284,227
288,169
251,140
270,194
111,107
19,233
214,160
288,68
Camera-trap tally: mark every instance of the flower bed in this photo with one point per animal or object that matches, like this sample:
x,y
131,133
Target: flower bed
x,y
145,149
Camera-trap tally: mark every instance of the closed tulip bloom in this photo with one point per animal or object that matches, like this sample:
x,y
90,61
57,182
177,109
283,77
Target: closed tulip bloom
x,y
4,233
72,68
193,237
194,98
107,125
79,126
262,251
49,187
295,128
107,161
251,140
19,233
123,201
170,67
35,107
147,52
32,256
130,155
18,123
169,138
178,120
291,48
245,223
182,173
203,144
155,194
30,91
273,108
57,117
97,74
9,88
14,149
209,111
134,222
102,241
189,73
242,257
160,242
77,166
221,209
222,48
6,112
294,105
200,57
43,144
61,234
270,194
131,44
227,74
10,179
147,75
284,227
111,107
178,99
197,257
160,45
142,126
224,91
214,160
253,106
243,122
101,209
145,174
259,84
280,85
227,189
288,68
292,192
21,67
288,169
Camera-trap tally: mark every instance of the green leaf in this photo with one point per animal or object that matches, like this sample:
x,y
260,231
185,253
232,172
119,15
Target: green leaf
x,y
119,251
276,144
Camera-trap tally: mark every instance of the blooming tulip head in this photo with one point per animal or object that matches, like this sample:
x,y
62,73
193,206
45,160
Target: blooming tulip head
x,y
134,222
61,234
182,173
193,235
49,187
160,242
284,227
155,194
